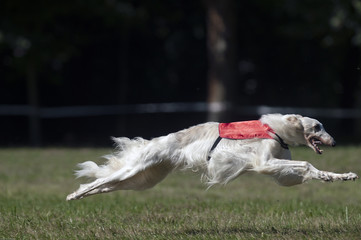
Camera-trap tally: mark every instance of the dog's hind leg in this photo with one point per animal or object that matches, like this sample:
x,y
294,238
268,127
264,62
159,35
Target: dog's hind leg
x,y
125,179
86,189
289,173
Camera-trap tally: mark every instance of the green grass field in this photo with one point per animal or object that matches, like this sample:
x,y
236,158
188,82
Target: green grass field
x,y
35,182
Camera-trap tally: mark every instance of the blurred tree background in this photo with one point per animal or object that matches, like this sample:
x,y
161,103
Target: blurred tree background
x,y
113,52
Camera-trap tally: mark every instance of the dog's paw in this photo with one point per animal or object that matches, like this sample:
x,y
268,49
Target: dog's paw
x,y
330,177
349,176
71,196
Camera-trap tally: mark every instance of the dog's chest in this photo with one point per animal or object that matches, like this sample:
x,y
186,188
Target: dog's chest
x,y
281,153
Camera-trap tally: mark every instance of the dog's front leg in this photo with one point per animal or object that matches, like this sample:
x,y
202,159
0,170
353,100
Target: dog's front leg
x,y
289,173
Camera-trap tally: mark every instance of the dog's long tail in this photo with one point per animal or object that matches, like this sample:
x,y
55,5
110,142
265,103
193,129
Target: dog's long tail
x,y
137,165
127,152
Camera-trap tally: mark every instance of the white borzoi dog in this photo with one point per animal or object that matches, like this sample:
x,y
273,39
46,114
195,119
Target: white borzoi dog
x,y
140,164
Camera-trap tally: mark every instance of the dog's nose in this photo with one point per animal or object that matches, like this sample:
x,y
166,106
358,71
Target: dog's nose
x,y
333,143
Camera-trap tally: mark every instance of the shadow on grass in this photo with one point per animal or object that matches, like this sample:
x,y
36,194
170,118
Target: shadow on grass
x,y
230,231
267,231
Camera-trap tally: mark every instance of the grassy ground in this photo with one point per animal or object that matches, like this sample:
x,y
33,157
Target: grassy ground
x,y
35,182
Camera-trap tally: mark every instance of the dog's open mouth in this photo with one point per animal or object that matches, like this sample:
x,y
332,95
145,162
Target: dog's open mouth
x,y
314,142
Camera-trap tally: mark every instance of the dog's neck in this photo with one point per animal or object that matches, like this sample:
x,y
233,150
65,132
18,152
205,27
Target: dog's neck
x,y
289,134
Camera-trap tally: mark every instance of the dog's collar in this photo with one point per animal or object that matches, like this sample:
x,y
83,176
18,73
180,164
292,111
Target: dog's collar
x,y
233,134
280,140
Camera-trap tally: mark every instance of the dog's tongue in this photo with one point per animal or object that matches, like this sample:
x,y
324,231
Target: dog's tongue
x,y
315,146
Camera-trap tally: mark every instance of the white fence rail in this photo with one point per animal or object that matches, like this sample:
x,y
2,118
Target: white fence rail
x,y
148,108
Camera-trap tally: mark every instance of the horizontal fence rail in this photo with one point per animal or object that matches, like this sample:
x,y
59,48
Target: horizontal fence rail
x,y
179,107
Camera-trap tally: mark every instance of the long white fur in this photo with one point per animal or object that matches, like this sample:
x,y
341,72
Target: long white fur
x,y
139,164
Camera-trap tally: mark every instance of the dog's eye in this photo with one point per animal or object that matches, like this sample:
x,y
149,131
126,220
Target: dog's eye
x,y
317,128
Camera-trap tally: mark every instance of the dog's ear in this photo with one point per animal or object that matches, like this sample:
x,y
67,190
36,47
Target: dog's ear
x,y
295,120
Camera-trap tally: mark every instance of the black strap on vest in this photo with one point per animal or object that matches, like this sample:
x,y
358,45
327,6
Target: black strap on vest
x,y
213,147
280,141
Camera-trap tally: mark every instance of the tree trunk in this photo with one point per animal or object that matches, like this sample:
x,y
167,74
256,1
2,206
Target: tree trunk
x,y
222,62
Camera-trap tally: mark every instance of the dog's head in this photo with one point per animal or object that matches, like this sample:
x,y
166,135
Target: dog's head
x,y
313,132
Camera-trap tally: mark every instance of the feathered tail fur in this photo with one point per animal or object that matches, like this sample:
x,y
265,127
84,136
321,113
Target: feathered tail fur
x,y
125,149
